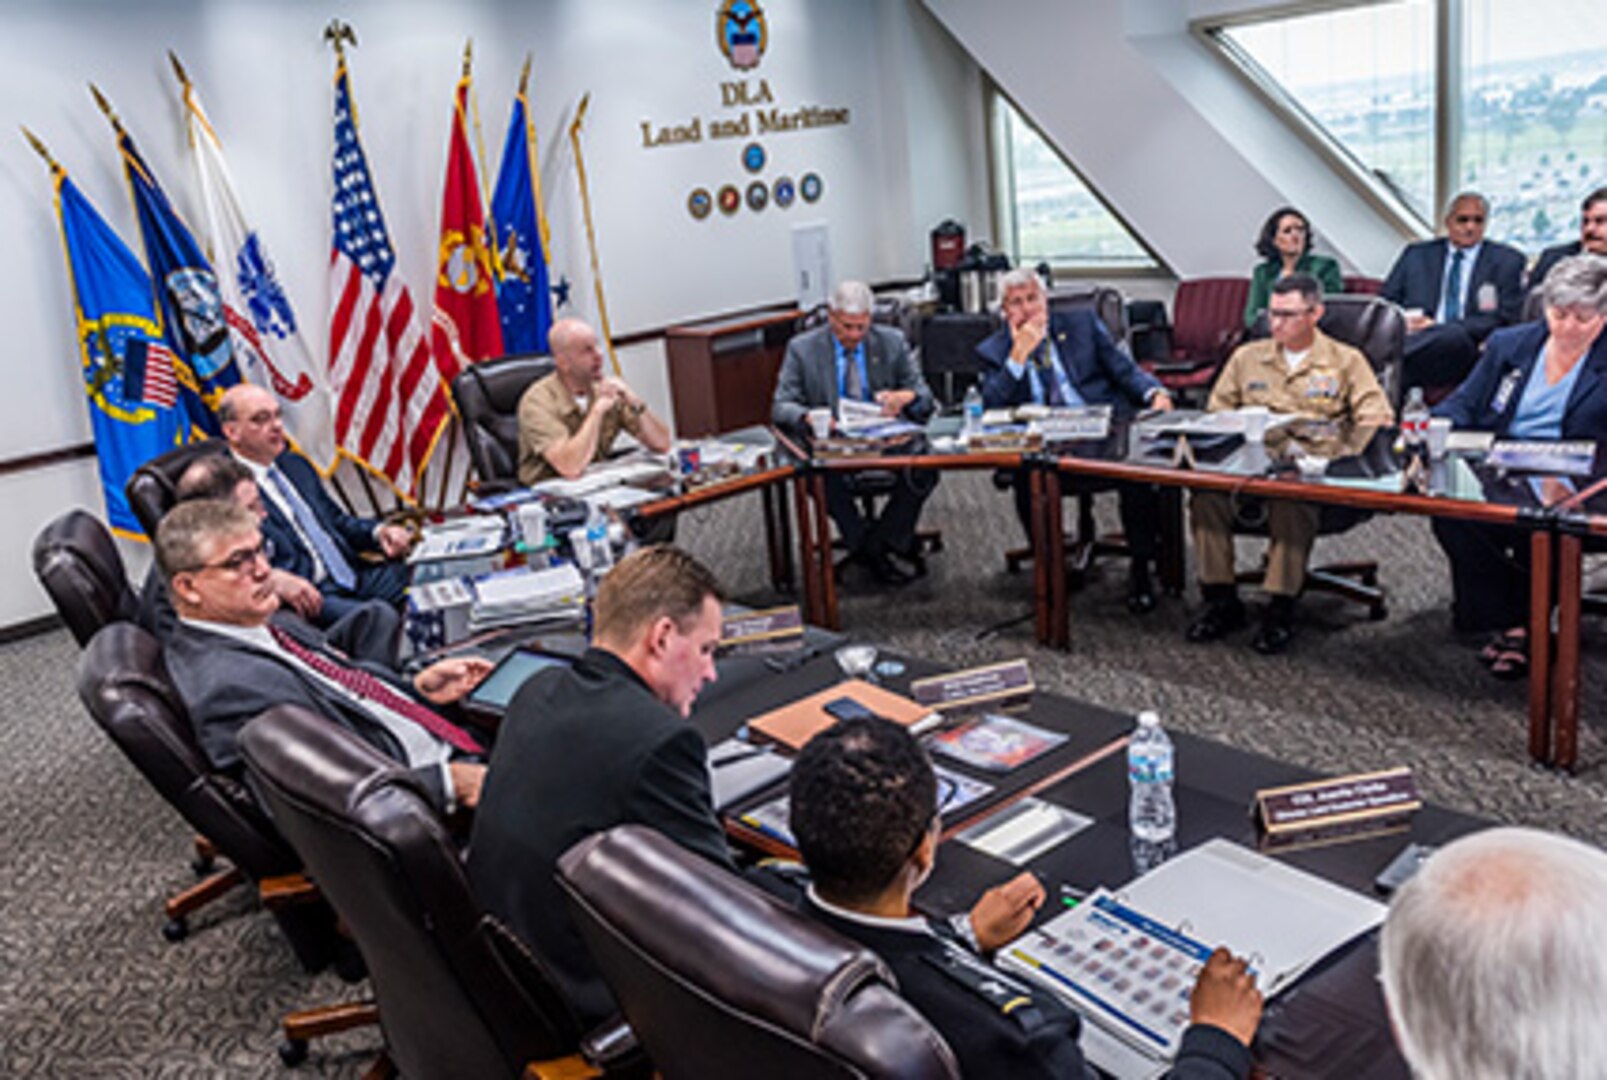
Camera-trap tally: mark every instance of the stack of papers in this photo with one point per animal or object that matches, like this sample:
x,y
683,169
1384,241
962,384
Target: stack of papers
x,y
633,469
523,595
461,538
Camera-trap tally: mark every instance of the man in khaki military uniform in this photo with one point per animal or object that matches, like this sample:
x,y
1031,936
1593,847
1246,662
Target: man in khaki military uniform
x,y
1301,371
572,417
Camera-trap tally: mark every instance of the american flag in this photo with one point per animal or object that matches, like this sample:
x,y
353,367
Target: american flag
x,y
392,404
148,374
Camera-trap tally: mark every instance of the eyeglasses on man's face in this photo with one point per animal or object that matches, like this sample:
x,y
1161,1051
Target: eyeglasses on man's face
x,y
239,561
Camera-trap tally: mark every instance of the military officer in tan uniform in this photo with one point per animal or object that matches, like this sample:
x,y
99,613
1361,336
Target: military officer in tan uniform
x,y
1301,371
572,417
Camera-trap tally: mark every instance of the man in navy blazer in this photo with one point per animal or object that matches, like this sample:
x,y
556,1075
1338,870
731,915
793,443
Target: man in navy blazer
x,y
1592,237
1067,359
1539,381
309,533
1456,291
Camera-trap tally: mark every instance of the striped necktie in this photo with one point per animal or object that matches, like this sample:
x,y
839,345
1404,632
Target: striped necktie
x,y
335,565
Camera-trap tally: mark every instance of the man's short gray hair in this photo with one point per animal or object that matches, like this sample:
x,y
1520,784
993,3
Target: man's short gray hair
x,y
852,298
1022,277
1494,962
1579,281
1484,204
184,532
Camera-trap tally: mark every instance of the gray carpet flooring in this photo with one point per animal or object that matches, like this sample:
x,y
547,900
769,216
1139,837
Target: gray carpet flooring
x,y
88,987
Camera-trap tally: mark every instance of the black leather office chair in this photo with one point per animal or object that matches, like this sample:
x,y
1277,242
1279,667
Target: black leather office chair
x,y
1103,300
458,994
151,489
487,396
124,685
77,562
720,981
1378,329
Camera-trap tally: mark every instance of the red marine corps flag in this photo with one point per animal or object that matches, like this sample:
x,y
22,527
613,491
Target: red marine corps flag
x,y
467,326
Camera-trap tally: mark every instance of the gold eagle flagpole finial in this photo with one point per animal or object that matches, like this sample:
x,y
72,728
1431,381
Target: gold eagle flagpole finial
x,y
338,34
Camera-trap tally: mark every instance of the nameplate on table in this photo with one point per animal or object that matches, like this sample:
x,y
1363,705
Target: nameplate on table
x,y
1006,440
1075,424
992,686
768,630
1575,457
1340,803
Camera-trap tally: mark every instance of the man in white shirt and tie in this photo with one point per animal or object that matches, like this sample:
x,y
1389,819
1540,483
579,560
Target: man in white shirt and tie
x,y
308,533
1455,292
233,655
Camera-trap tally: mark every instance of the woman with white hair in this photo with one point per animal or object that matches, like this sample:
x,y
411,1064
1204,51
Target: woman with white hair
x,y
1542,381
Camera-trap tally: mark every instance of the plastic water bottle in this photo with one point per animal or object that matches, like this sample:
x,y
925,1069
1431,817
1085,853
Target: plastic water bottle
x,y
1151,815
1414,419
973,412
598,541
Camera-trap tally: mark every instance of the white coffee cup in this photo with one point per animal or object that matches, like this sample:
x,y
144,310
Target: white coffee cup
x,y
1255,422
533,524
1439,436
820,422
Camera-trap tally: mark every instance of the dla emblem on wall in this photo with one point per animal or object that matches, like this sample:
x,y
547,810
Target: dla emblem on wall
x,y
741,32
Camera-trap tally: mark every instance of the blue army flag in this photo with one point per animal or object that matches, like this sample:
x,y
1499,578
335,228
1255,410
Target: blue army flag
x,y
118,334
523,297
188,300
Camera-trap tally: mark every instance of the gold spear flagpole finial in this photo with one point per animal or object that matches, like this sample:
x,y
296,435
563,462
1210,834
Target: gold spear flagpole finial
x,y
178,69
40,148
468,55
524,76
338,34
106,107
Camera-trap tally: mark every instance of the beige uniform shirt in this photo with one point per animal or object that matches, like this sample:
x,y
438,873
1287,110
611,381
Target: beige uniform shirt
x,y
1334,382
548,414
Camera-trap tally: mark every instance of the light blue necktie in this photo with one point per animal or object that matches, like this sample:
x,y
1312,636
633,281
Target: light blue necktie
x,y
335,564
1453,288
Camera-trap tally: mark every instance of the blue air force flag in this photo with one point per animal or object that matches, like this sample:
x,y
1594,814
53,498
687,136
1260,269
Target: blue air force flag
x,y
524,299
116,327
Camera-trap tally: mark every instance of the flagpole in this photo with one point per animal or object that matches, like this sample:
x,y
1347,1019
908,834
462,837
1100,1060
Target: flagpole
x,y
591,233
533,149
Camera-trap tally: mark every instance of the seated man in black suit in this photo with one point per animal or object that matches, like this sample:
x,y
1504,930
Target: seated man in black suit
x,y
234,654
369,631
311,535
853,358
1456,291
1066,359
1592,238
863,808
600,744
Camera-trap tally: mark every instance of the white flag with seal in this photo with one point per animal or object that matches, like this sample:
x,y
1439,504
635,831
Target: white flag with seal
x,y
267,339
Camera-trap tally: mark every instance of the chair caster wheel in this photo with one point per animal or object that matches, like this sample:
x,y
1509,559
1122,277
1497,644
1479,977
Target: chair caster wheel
x,y
176,929
1378,613
293,1052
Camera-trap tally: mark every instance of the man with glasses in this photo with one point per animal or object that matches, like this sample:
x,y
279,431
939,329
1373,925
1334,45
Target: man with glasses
x,y
1455,292
1299,371
862,803
311,535
234,654
1592,238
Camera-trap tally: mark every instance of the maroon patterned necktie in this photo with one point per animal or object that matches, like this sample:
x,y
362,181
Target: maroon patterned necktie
x,y
371,688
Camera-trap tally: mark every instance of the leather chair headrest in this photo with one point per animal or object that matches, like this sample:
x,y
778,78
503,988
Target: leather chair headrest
x,y
77,562
716,931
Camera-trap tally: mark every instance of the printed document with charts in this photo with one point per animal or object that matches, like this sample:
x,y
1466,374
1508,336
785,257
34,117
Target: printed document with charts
x,y
1128,960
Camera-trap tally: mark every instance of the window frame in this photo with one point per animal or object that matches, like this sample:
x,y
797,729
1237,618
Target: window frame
x,y
1002,207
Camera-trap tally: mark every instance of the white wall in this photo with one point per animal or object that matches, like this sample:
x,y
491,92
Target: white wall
x,y
1173,139
912,154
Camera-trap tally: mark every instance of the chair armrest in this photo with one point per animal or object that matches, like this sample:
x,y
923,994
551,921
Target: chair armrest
x,y
287,890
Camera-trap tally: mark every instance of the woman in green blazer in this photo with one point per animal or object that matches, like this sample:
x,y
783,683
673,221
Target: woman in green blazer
x,y
1285,248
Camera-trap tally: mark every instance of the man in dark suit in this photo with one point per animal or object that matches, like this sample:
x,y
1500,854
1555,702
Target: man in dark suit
x,y
852,358
863,808
1592,238
233,655
1069,359
1456,291
600,744
311,536
369,631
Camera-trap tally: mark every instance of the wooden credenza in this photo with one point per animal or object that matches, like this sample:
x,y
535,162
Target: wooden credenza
x,y
723,371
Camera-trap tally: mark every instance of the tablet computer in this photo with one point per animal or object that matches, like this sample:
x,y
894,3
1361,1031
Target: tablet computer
x,y
496,690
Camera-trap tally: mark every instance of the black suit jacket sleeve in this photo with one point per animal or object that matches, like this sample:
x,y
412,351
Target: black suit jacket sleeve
x,y
673,794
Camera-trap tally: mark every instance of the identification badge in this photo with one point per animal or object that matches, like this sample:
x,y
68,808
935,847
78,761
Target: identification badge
x,y
1503,392
1255,386
1489,299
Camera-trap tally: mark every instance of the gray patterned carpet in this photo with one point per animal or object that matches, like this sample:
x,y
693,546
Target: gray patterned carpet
x,y
88,988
